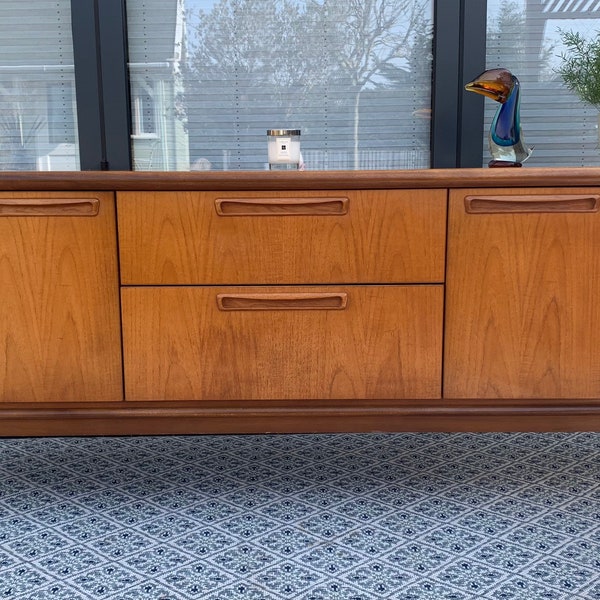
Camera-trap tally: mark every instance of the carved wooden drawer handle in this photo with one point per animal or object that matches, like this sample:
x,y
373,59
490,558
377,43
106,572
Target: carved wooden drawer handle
x,y
49,207
532,204
255,207
283,301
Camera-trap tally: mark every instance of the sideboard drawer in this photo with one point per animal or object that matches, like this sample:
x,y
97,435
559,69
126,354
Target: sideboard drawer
x,y
328,342
271,238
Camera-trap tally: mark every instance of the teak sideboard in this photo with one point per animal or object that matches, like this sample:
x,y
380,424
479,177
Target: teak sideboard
x,y
183,303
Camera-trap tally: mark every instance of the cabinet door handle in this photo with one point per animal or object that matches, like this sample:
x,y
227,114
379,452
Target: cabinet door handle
x,y
283,301
49,207
558,203
256,207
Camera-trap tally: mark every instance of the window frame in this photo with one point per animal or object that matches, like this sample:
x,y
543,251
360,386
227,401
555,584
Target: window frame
x,y
103,94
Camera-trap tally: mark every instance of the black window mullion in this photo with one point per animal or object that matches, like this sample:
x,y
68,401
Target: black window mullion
x,y
446,80
115,83
459,56
100,51
473,46
88,83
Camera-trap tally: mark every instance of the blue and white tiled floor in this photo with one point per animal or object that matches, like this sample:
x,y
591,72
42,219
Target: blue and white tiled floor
x,y
309,517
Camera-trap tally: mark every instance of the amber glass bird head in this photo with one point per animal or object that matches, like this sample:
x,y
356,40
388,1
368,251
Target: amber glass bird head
x,y
493,83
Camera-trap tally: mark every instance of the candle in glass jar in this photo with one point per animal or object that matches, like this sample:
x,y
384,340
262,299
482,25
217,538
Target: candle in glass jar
x,y
283,148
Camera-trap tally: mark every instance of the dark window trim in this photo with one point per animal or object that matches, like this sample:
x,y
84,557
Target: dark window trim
x,y
88,85
459,56
473,46
101,83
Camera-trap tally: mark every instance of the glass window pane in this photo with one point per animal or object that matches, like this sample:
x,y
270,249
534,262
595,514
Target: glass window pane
x,y
525,37
38,129
210,77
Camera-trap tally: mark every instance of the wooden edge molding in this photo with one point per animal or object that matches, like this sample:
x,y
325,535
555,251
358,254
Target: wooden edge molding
x,y
196,418
297,180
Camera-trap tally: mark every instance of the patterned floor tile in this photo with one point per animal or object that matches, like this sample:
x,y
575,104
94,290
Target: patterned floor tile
x,y
134,513
12,486
203,542
87,528
243,591
122,543
418,558
502,555
104,581
405,516
243,560
61,512
486,522
30,500
66,563
36,545
564,522
14,527
22,582
197,580
288,541
337,591
518,588
454,539
428,590
289,579
582,553
331,559
7,561
288,510
562,575
327,525
536,538
58,591
396,496
147,591
250,497
378,578
167,526
157,561
371,541
324,496
470,577
407,524
543,496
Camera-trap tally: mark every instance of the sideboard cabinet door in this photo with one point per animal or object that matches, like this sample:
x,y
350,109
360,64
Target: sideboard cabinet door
x,y
59,298
523,294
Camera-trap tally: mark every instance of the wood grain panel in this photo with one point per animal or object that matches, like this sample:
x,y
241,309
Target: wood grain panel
x,y
59,302
523,301
385,236
385,343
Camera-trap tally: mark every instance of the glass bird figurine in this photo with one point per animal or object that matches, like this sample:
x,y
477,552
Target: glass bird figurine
x,y
507,146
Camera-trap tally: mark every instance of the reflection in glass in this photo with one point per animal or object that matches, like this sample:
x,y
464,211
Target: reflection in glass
x,y
355,77
524,36
37,101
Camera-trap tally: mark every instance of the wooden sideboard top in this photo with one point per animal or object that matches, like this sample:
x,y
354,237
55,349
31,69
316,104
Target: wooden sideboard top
x,y
298,180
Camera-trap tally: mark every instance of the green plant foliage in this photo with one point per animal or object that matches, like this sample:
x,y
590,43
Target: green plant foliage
x,y
580,68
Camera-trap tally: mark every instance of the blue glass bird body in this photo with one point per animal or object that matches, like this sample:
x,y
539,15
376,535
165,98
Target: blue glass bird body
x,y
505,138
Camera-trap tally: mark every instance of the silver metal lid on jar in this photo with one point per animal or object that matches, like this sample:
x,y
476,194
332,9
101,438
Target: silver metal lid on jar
x,y
282,132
